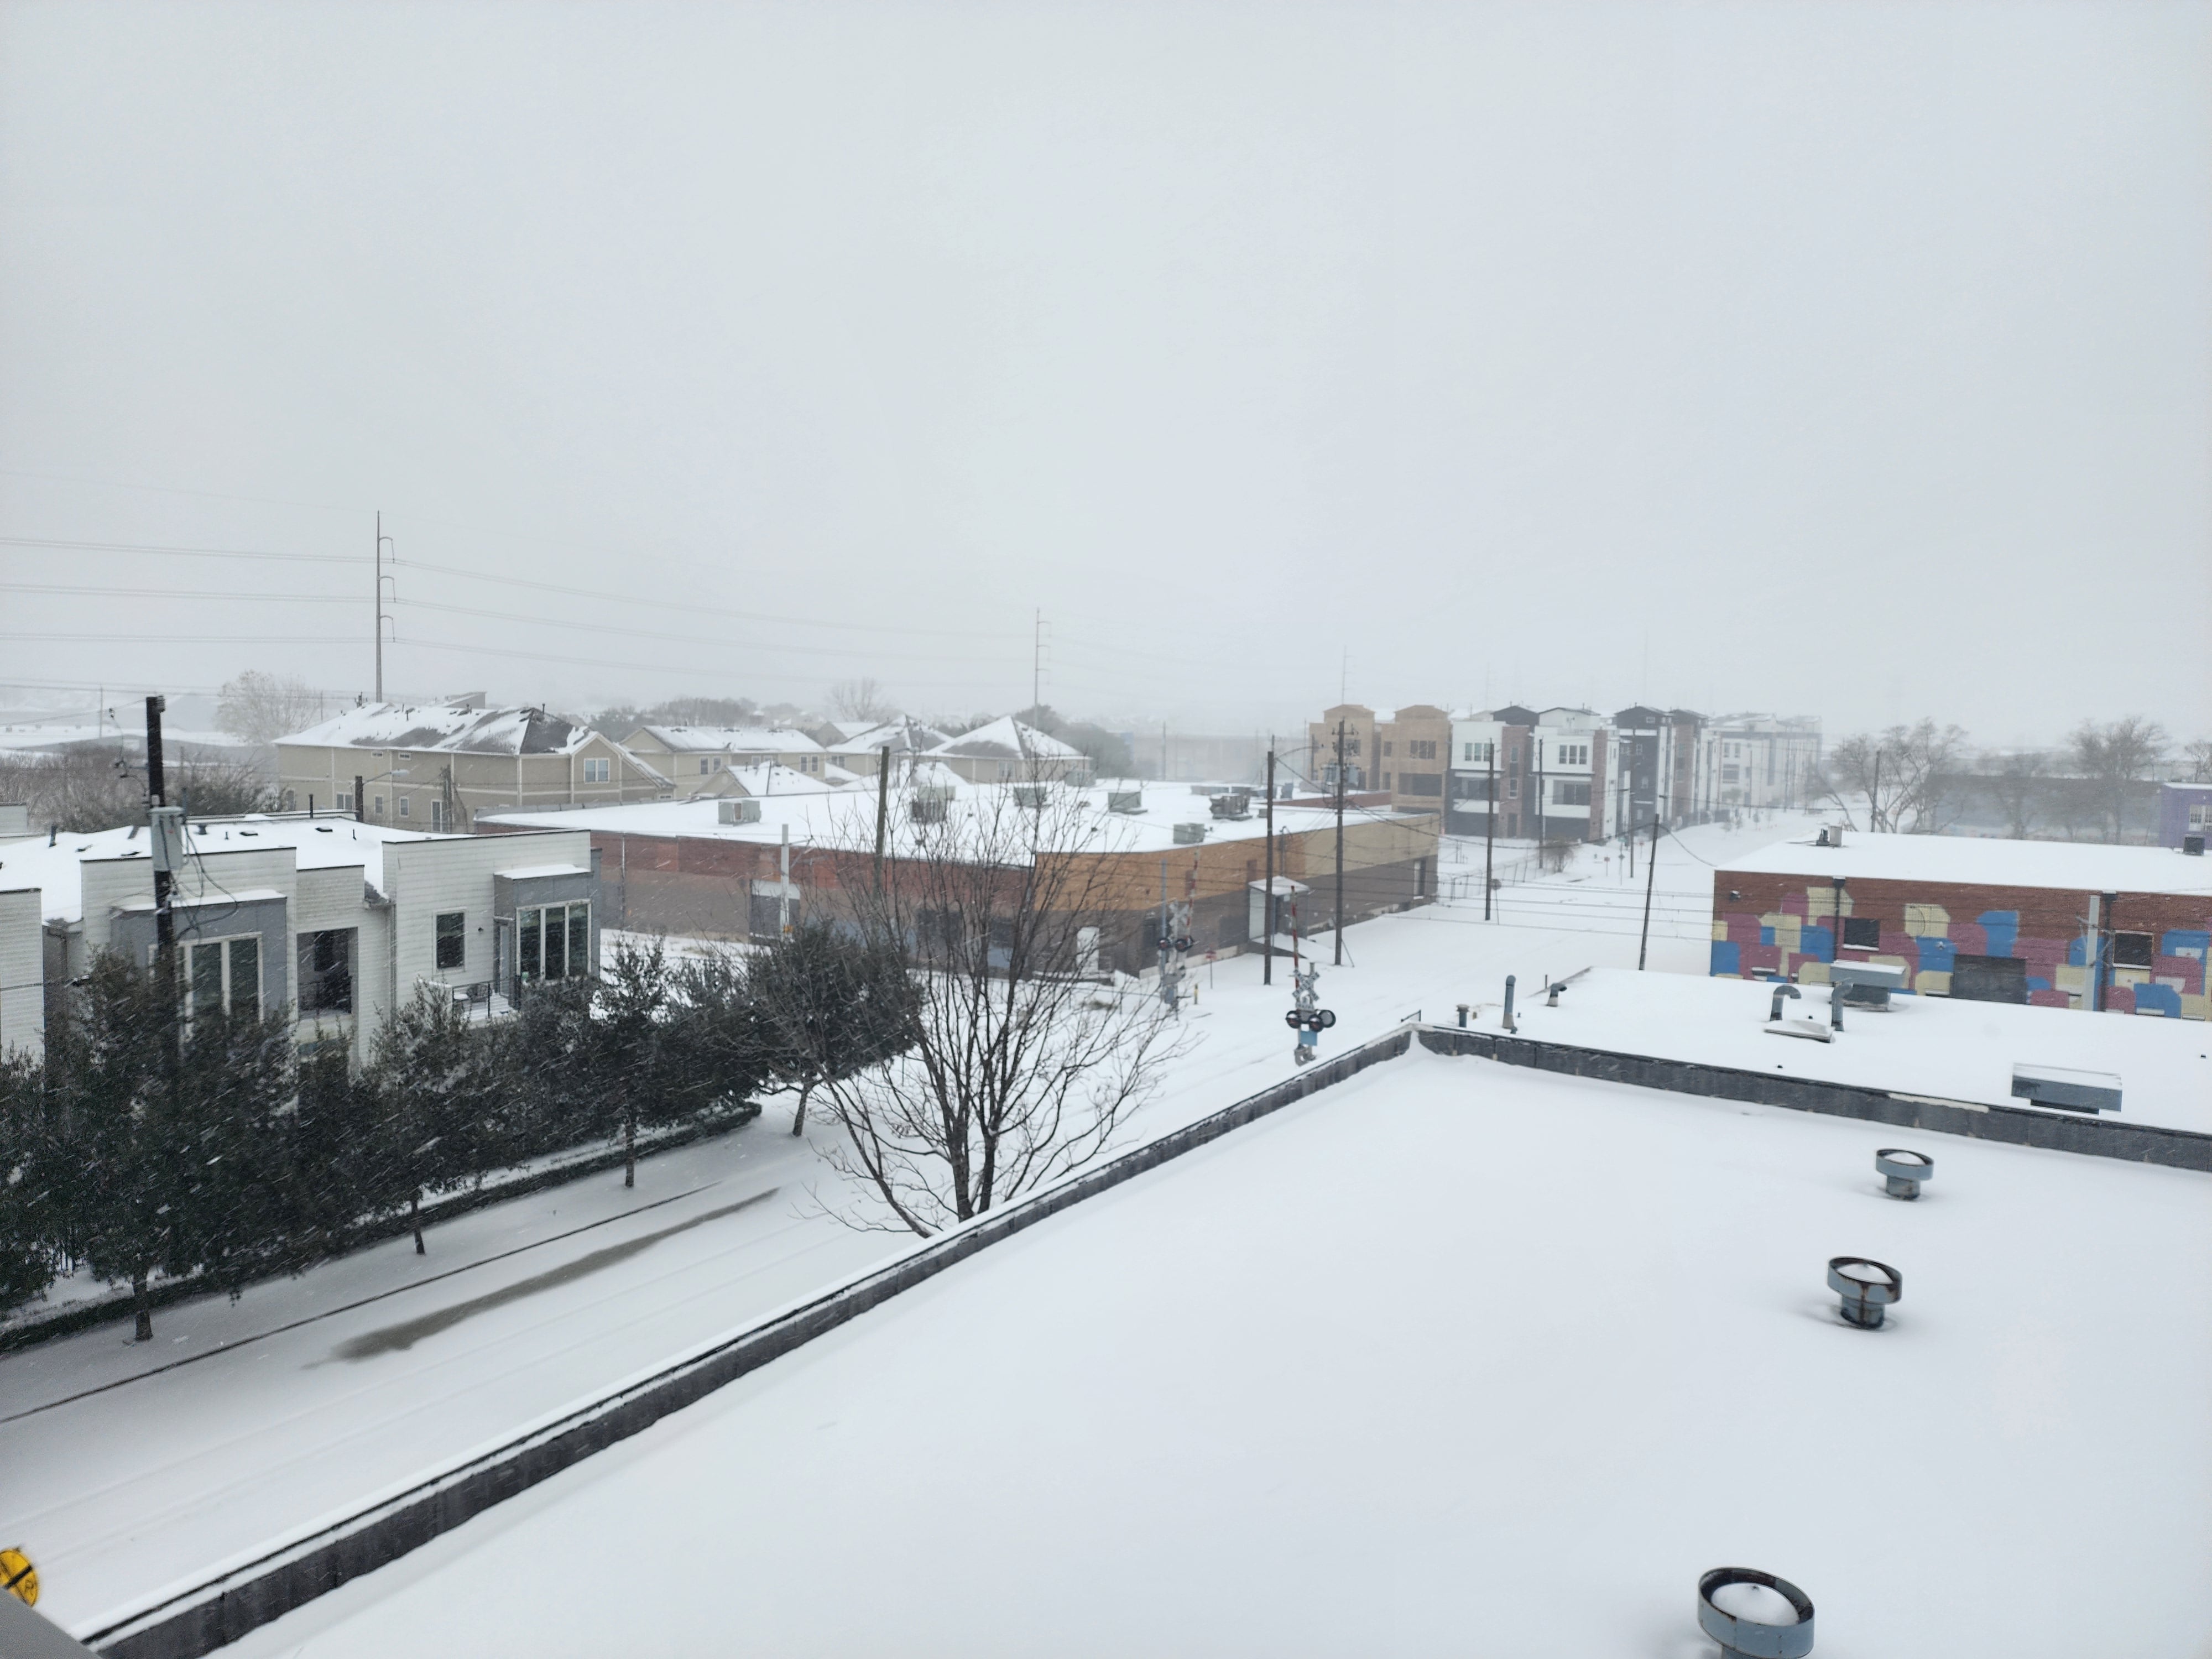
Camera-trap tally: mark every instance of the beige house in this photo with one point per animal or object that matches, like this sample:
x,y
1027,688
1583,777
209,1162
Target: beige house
x,y
1404,753
691,757
436,768
860,749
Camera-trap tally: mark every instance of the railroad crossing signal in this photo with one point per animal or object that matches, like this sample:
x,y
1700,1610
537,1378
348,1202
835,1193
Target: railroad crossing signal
x,y
19,1577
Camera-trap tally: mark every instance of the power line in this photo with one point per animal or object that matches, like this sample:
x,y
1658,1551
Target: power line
x,y
596,627
640,667
187,639
180,593
180,552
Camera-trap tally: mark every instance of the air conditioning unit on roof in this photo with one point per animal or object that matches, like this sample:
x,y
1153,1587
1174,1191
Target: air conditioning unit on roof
x,y
1189,835
742,810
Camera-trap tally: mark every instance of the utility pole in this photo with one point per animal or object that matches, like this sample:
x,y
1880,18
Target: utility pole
x,y
1651,877
783,887
1267,898
1340,783
1036,664
167,839
382,541
1489,827
883,809
1540,802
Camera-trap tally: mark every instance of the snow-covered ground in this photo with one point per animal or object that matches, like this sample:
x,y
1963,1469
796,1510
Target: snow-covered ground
x,y
1455,1358
120,1493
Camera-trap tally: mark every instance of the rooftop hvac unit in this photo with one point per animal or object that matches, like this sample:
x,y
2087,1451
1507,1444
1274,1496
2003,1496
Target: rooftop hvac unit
x,y
928,808
1189,835
1030,795
1232,804
2193,845
742,810
1125,800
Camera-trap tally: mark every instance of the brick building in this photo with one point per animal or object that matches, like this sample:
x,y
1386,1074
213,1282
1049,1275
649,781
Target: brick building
x,y
682,867
2053,924
1402,753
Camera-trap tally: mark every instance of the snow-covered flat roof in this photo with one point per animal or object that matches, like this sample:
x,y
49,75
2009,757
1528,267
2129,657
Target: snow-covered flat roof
x,y
848,817
1450,1359
319,843
2076,866
539,871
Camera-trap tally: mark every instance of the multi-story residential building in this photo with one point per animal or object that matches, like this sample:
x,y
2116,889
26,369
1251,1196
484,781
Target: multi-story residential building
x,y
1544,773
435,767
1656,768
688,755
338,921
1754,761
1007,751
1403,753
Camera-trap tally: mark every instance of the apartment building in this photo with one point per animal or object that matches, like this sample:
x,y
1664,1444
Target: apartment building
x,y
435,767
1404,754
1752,761
339,921
1544,774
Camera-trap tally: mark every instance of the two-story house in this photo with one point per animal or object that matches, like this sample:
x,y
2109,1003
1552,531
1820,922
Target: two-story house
x,y
337,920
691,757
435,767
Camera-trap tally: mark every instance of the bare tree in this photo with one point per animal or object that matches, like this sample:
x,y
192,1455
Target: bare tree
x,y
861,700
2112,758
259,708
1016,1070
2197,756
1903,776
2016,782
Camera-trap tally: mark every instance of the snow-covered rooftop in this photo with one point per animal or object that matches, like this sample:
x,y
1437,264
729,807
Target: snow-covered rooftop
x,y
447,729
2076,866
1452,1358
901,736
771,778
1006,738
319,843
847,816
732,739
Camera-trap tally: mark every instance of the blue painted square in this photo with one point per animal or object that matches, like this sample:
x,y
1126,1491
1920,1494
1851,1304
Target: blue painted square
x,y
2036,984
1766,937
2186,942
1819,942
1727,957
2003,927
1938,956
2158,999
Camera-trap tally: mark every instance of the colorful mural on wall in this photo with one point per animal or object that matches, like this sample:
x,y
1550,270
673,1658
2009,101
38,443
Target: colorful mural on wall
x,y
1798,942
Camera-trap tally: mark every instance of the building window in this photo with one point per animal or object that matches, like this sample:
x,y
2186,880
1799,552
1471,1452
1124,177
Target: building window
x,y
406,806
1422,783
598,770
291,802
1862,933
1570,793
223,976
1388,747
345,800
2200,818
379,799
554,942
2131,951
326,971
1386,776
705,766
1421,747
1513,789
452,938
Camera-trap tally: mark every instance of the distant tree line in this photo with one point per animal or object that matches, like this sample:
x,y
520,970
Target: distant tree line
x,y
148,1145
1924,779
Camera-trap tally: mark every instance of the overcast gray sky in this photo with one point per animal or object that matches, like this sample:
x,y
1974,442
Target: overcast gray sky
x,y
1851,359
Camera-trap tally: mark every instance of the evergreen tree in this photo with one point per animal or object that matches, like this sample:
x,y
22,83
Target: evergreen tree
x,y
830,1003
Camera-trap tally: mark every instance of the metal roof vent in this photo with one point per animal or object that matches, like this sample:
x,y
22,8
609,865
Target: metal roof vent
x,y
1867,1288
1125,800
1189,835
1904,1171
1754,1615
1030,795
743,809
1232,804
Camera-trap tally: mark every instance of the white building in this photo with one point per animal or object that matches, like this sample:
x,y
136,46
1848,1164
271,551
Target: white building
x,y
691,757
336,919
